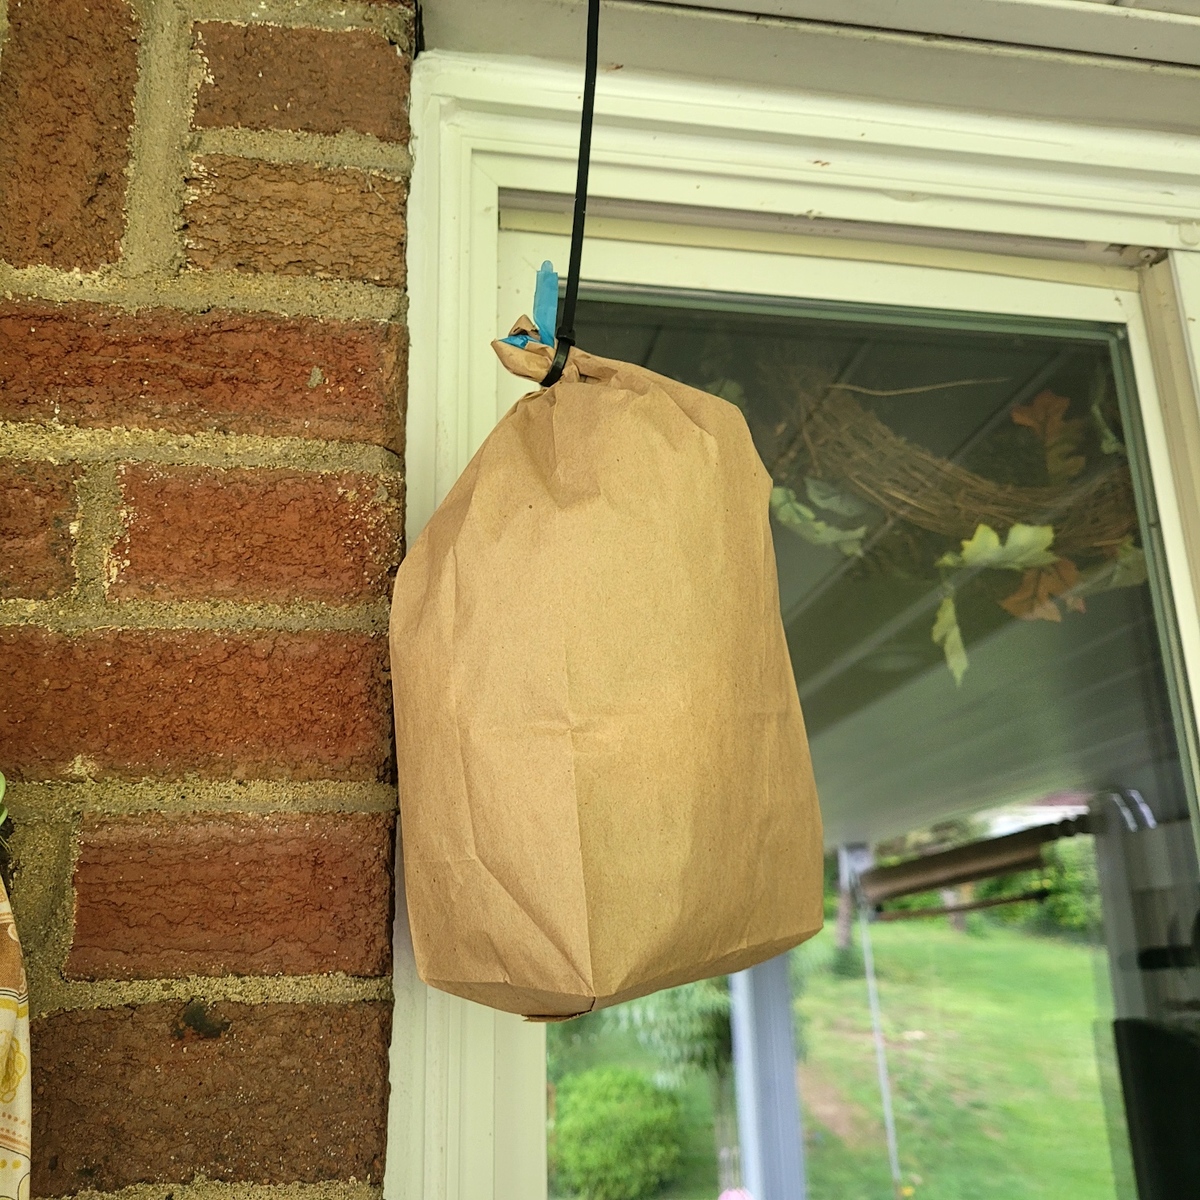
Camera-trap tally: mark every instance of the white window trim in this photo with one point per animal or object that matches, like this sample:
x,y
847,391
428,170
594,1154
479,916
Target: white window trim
x,y
466,1116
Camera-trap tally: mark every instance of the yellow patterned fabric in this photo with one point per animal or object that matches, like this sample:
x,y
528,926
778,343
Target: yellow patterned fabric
x,y
15,1114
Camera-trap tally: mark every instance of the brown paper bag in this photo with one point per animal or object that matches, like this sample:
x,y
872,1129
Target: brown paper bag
x,y
605,786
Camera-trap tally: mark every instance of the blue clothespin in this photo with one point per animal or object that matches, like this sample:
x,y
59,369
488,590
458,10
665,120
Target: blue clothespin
x,y
545,309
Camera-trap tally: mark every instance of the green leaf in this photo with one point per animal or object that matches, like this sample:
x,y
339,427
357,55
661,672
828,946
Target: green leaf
x,y
1109,442
728,389
1026,546
1131,566
947,634
825,495
801,520
1127,569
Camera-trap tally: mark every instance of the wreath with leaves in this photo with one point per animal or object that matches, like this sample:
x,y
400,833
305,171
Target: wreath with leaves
x,y
843,478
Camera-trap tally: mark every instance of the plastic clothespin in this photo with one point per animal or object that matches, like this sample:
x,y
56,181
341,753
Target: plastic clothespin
x,y
545,309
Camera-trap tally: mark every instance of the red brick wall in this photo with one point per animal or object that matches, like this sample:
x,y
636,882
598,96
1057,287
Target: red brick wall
x,y
202,366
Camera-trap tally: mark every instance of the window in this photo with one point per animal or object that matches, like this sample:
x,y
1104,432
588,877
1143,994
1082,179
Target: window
x,y
709,175
946,672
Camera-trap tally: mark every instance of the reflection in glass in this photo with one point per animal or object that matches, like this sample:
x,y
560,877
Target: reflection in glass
x,y
951,481
965,585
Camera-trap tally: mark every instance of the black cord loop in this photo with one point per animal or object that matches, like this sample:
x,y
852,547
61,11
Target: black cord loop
x,y
565,337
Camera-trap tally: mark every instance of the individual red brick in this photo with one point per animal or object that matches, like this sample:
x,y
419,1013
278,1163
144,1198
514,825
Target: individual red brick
x,y
269,535
66,108
37,507
274,1093
286,894
223,372
134,703
295,219
312,80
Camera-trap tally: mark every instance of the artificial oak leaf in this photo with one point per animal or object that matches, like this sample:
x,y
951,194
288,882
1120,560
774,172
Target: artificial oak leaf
x,y
1027,604
801,519
1045,414
946,633
1034,599
1061,461
1025,546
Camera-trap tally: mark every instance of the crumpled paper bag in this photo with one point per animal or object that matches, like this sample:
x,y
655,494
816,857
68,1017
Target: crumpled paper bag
x,y
605,785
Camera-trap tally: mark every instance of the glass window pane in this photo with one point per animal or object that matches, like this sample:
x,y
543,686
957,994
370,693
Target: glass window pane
x,y
968,584
916,437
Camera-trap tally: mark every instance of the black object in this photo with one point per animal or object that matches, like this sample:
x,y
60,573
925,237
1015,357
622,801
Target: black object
x,y
1160,1077
1166,958
565,337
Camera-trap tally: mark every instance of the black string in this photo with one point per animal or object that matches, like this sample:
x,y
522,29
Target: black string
x,y
566,325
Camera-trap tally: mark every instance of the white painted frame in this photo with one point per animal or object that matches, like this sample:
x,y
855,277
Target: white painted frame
x,y
467,1118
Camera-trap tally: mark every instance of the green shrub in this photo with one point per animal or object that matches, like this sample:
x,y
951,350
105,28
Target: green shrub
x,y
1073,906
616,1135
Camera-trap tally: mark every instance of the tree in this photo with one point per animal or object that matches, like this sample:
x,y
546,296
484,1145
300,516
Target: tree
x,y
688,1029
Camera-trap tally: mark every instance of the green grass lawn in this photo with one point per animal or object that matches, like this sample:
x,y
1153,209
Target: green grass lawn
x,y
990,1043
991,1051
